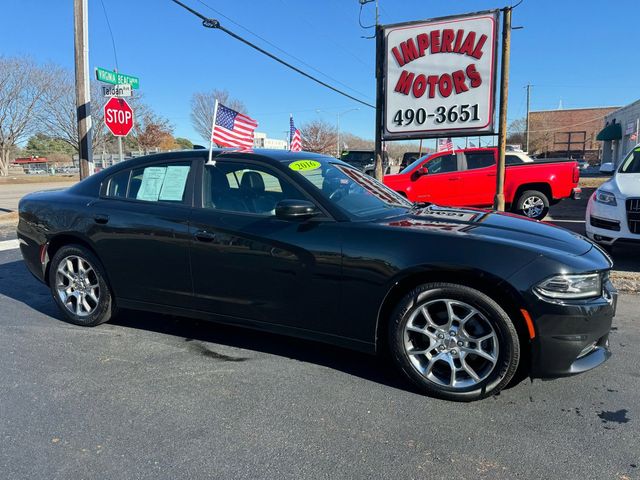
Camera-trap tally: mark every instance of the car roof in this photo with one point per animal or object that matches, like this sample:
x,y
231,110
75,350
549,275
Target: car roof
x,y
266,155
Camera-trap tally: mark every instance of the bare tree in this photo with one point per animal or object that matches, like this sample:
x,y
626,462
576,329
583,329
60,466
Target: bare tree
x,y
150,129
319,136
22,87
516,132
58,114
350,141
202,106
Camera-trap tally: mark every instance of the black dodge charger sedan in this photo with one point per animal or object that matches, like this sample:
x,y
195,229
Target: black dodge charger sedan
x,y
306,245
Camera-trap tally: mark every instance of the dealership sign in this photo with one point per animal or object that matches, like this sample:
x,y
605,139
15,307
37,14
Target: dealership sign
x,y
440,77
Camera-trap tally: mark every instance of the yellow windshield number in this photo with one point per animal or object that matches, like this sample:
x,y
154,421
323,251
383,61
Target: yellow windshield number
x,y
304,165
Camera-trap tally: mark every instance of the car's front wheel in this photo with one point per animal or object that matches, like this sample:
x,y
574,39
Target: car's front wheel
x,y
79,286
454,342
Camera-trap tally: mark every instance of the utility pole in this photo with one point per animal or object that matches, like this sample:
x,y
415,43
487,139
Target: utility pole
x,y
378,169
528,107
498,202
83,97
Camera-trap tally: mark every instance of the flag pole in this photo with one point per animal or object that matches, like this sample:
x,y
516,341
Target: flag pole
x,y
290,132
213,127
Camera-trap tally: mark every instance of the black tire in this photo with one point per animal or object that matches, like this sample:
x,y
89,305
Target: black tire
x,y
530,197
102,310
507,350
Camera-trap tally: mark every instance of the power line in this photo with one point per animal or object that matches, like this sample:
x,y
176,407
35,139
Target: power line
x,y
330,38
273,45
113,42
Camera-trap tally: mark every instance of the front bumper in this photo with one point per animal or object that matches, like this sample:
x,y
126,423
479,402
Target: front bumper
x,y
572,338
608,224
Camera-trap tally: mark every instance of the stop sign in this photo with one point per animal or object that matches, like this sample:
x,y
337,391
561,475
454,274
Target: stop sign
x,y
118,117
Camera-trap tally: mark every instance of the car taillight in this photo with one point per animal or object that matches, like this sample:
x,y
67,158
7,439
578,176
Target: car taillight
x,y
576,174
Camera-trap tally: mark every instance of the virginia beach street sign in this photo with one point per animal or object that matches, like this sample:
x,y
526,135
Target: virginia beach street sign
x,y
115,78
440,77
123,90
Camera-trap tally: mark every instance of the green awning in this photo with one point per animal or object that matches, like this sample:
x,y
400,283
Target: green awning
x,y
610,132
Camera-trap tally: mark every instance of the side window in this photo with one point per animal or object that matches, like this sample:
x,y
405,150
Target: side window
x,y
245,188
443,164
479,160
513,160
165,182
117,186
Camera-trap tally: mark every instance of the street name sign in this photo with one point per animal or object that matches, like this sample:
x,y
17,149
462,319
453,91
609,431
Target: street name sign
x,y
115,78
123,90
440,77
118,117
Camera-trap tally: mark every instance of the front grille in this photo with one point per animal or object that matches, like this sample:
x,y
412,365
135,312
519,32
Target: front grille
x,y
633,214
606,224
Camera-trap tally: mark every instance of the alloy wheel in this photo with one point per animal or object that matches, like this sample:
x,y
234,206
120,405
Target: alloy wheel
x,y
77,285
533,206
451,343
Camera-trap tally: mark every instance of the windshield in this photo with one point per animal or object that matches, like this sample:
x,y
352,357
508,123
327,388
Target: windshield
x,y
631,164
358,194
413,165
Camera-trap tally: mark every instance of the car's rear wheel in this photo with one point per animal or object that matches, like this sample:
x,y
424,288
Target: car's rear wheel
x,y
454,342
79,286
532,204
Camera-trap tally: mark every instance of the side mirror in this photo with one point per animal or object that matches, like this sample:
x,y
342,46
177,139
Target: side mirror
x,y
419,173
296,210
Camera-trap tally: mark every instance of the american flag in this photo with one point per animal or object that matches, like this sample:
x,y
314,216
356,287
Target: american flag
x,y
295,139
233,129
445,145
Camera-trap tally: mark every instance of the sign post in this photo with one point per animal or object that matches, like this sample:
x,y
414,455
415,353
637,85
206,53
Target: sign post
x,y
498,202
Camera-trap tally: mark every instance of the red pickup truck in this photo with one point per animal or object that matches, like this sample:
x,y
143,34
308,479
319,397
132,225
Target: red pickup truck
x,y
468,178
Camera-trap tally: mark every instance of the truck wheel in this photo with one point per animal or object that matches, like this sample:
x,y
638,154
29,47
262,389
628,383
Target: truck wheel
x,y
454,342
532,204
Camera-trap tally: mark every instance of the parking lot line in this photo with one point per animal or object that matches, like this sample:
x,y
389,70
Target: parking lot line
x,y
9,245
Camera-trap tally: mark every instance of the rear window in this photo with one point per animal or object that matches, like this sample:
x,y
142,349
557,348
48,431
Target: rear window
x,y
117,186
161,182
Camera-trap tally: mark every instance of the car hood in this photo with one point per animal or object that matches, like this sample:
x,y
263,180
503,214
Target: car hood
x,y
486,225
628,184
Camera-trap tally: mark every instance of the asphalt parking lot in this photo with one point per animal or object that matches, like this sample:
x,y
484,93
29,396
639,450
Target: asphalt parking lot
x,y
158,397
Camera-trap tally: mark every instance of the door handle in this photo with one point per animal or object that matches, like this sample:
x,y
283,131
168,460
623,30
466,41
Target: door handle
x,y
204,236
454,179
101,218
491,174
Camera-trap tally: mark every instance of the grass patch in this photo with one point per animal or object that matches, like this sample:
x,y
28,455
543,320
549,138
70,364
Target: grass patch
x,y
28,179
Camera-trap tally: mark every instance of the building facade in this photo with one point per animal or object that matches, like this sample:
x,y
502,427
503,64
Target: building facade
x,y
260,140
621,133
568,132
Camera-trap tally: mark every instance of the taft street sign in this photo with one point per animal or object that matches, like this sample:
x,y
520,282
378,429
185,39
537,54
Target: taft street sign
x,y
115,78
123,90
440,77
118,117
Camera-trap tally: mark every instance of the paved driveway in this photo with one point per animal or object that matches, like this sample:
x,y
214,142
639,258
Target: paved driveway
x,y
10,194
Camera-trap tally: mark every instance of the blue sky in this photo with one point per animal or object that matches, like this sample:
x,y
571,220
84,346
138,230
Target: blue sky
x,y
581,53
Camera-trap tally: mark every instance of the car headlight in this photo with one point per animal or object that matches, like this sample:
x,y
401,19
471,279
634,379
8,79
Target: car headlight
x,y
571,287
607,198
